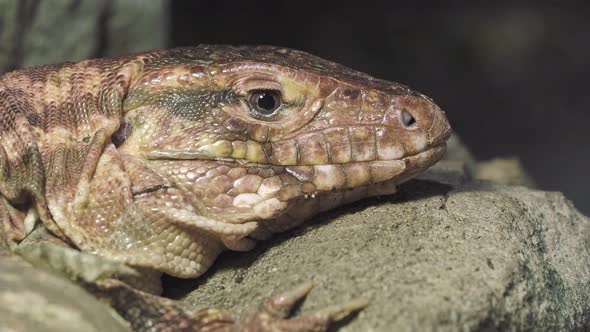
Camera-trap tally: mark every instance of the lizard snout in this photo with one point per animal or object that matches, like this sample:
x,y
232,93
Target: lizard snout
x,y
416,124
440,131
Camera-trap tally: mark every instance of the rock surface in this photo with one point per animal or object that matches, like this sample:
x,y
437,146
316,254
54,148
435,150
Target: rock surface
x,y
34,300
508,171
29,35
445,253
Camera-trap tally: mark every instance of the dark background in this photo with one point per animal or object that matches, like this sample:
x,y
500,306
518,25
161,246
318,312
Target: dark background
x,y
513,79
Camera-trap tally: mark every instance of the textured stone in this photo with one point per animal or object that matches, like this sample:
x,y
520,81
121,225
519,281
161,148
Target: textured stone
x,y
508,171
34,300
44,32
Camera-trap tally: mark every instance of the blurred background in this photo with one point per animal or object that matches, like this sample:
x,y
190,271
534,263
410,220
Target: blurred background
x,y
513,78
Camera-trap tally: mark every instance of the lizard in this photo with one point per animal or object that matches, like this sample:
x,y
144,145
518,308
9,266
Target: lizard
x,y
162,160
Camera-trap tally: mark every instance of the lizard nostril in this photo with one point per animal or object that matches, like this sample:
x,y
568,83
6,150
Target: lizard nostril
x,y
407,119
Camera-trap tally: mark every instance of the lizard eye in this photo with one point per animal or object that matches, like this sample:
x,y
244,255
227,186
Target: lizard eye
x,y
264,104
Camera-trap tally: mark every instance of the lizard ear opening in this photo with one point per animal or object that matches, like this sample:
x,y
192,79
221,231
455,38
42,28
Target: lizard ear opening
x,y
120,136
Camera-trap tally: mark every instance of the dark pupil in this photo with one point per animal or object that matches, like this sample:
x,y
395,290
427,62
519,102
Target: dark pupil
x,y
266,101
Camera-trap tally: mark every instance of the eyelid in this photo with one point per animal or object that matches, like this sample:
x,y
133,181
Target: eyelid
x,y
247,85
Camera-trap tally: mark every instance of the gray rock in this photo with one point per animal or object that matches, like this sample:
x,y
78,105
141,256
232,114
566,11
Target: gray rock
x,y
508,171
457,150
34,300
43,32
445,253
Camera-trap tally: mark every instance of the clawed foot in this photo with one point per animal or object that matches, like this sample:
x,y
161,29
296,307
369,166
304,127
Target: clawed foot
x,y
272,316
146,312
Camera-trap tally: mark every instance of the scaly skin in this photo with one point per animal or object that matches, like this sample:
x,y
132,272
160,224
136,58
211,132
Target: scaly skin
x,y
160,161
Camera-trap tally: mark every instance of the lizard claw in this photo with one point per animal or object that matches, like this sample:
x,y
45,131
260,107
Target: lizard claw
x,y
279,306
273,314
335,312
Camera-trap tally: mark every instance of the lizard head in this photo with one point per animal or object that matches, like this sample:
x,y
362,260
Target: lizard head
x,y
274,135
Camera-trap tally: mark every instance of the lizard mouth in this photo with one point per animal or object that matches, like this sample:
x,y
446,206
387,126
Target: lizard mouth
x,y
313,179
333,177
356,180
417,163
260,191
273,198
